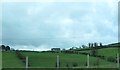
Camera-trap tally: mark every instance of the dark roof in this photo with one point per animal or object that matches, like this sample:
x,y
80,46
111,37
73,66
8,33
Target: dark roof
x,y
55,48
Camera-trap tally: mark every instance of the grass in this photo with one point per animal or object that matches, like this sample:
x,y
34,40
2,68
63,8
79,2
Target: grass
x,y
107,52
0,59
10,60
49,60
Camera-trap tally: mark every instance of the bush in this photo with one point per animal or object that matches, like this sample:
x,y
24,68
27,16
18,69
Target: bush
x,y
75,64
111,59
67,65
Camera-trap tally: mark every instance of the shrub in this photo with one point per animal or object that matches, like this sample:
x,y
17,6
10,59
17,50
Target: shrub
x,y
67,65
111,59
75,64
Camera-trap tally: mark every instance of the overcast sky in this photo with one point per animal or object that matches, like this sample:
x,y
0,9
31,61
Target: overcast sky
x,y
41,26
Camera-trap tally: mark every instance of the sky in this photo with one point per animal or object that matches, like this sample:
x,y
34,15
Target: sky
x,y
45,25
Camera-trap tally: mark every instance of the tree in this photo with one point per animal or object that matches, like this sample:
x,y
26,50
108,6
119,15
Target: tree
x,y
79,47
7,48
94,49
91,45
63,49
101,45
95,45
83,46
3,47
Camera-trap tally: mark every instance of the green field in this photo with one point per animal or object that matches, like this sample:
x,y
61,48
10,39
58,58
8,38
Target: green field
x,y
48,59
10,60
107,52
0,60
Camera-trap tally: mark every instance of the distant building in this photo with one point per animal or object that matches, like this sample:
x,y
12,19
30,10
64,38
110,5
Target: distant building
x,y
55,49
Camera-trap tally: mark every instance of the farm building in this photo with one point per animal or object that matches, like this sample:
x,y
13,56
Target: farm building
x,y
55,49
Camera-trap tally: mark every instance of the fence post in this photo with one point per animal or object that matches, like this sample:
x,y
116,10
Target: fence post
x,y
87,60
58,61
26,62
118,60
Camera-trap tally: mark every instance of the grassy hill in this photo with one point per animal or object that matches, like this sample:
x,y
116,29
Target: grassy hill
x,y
108,52
114,44
48,59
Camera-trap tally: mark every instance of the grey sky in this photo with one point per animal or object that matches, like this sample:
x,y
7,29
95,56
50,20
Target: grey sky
x,y
58,24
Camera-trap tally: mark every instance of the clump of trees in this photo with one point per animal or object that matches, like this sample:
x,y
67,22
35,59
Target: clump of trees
x,y
5,48
95,45
94,48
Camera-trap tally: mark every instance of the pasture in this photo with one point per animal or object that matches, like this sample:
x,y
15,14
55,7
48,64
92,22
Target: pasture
x,y
48,60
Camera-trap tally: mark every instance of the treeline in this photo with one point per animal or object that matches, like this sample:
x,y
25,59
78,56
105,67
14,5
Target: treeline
x,y
94,45
89,46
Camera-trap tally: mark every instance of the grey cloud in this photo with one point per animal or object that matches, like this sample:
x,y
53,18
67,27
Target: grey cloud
x,y
56,24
